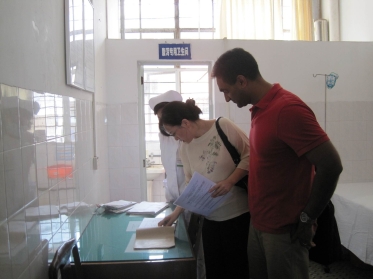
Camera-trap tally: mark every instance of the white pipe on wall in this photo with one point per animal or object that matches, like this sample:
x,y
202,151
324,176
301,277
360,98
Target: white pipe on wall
x,y
330,11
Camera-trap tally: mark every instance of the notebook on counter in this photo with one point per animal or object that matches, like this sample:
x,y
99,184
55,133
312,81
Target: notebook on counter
x,y
150,236
148,208
117,206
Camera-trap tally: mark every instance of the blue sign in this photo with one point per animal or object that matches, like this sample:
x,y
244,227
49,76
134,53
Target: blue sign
x,y
174,51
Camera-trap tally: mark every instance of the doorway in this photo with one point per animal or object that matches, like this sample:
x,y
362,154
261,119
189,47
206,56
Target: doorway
x,y
192,80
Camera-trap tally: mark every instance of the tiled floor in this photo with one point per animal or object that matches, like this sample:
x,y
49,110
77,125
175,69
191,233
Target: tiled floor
x,y
340,270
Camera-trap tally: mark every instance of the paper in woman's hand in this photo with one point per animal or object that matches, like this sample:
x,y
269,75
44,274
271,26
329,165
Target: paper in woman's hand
x,y
196,197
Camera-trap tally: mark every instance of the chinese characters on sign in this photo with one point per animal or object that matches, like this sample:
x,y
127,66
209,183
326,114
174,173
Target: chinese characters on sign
x,y
174,51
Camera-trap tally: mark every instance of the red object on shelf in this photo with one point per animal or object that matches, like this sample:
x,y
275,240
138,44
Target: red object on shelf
x,y
60,171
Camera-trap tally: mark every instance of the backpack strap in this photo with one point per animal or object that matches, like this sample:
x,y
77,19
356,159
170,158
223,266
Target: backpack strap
x,y
232,150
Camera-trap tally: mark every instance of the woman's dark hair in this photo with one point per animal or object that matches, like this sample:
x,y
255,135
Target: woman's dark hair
x,y
174,112
235,62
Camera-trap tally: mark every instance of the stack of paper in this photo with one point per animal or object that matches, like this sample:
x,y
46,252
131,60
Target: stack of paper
x,y
150,236
148,208
68,208
196,197
118,206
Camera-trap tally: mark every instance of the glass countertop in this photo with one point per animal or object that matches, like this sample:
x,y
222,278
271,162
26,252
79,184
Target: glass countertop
x,y
109,237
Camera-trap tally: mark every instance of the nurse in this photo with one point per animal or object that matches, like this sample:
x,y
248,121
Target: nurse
x,y
175,178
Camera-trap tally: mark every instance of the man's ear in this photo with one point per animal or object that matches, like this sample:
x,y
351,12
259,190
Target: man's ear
x,y
241,81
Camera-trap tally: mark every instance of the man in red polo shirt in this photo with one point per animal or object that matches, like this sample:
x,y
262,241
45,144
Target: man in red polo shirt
x,y
293,172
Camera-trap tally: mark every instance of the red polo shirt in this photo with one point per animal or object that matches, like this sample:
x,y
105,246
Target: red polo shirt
x,y
283,129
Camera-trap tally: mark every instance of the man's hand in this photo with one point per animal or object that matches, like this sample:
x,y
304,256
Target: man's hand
x,y
221,188
305,233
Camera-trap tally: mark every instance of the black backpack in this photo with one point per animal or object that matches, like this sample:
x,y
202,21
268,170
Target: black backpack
x,y
328,247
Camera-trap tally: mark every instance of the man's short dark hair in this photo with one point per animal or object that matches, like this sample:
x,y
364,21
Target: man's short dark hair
x,y
235,62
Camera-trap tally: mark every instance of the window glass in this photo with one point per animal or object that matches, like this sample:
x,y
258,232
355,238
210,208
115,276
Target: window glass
x,y
157,19
131,14
157,14
190,80
196,14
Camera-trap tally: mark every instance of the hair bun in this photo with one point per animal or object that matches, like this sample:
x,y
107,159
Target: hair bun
x,y
190,102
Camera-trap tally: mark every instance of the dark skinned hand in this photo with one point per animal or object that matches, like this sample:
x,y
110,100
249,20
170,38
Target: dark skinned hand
x,y
305,233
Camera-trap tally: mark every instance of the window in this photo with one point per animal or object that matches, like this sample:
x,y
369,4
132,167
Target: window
x,y
189,79
195,19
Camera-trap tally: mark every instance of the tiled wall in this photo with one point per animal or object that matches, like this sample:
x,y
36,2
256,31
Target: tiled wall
x,y
46,176
124,151
124,157
350,126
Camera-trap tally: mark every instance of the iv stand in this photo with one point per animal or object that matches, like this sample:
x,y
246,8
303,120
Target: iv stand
x,y
325,75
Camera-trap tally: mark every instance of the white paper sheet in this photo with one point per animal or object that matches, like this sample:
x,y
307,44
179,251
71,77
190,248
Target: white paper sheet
x,y
149,223
196,198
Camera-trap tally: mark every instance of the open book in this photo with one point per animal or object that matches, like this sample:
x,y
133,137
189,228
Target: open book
x,y
150,236
148,208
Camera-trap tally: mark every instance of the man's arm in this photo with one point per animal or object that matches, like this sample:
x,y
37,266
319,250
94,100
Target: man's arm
x,y
328,167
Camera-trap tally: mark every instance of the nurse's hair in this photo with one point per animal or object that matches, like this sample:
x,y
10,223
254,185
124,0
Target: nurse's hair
x,y
174,112
157,108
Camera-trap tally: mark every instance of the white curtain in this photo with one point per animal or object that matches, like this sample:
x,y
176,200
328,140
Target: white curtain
x,y
302,22
250,19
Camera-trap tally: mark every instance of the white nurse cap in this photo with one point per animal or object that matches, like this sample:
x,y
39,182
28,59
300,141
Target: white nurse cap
x,y
168,96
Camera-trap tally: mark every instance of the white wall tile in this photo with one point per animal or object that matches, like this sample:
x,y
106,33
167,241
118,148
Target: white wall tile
x,y
359,171
29,173
13,181
353,130
333,111
369,169
369,128
5,266
131,177
346,111
114,114
3,210
131,156
39,265
115,135
10,119
130,135
118,194
133,194
369,150
18,244
129,113
117,178
116,157
333,129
